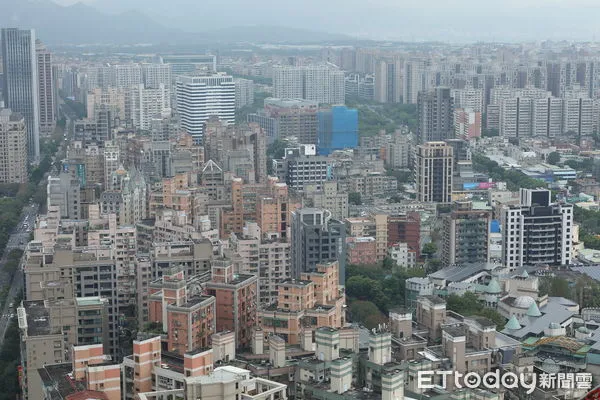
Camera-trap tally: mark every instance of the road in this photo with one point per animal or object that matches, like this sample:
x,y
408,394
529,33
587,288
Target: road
x,y
18,240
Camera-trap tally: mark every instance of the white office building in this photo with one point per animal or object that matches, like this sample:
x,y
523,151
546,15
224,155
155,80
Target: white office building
x,y
199,97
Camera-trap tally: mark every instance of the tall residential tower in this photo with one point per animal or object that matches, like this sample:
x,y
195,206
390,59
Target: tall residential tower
x,y
21,93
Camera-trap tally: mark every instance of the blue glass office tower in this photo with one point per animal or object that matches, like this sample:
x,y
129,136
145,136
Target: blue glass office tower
x,y
338,129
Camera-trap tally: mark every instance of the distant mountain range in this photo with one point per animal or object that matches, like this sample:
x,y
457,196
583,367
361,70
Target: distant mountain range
x,y
83,24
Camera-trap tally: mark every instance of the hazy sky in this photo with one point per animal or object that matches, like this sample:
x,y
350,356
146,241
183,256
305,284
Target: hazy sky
x,y
458,20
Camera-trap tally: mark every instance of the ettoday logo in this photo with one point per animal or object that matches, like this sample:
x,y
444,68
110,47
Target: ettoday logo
x,y
508,380
473,380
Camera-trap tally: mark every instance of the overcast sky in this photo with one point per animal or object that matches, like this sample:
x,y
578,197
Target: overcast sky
x,y
458,20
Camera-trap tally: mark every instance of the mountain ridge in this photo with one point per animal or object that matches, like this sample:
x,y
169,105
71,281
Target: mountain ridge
x,y
80,23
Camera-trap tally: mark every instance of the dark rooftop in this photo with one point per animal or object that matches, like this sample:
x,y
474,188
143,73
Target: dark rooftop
x,y
434,299
173,360
455,331
483,322
38,319
58,379
198,350
193,301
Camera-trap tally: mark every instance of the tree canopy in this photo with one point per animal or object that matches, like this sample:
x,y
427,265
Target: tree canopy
x,y
468,305
553,158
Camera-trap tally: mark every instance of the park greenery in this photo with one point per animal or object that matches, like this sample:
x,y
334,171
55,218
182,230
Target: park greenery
x,y
374,117
241,115
372,290
468,305
553,158
585,165
514,179
589,226
583,290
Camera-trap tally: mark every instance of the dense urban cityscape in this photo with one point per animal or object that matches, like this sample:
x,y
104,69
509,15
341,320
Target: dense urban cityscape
x,y
332,219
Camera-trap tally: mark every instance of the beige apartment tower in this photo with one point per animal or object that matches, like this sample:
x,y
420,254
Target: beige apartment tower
x,y
13,147
433,170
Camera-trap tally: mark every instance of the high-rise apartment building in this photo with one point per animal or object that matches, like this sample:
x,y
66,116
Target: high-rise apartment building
x,y
240,149
359,86
64,192
317,238
155,75
434,166
523,112
288,82
415,80
301,166
46,89
469,98
547,117
578,115
466,235
13,147
237,299
405,228
338,129
125,75
199,97
146,104
435,111
244,92
324,85
388,82
515,117
21,90
293,118
264,255
328,196
467,123
319,83
112,99
537,231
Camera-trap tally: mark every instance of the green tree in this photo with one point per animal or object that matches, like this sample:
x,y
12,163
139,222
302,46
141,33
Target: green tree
x,y
468,305
387,264
490,132
559,287
275,151
366,313
429,249
553,158
355,198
